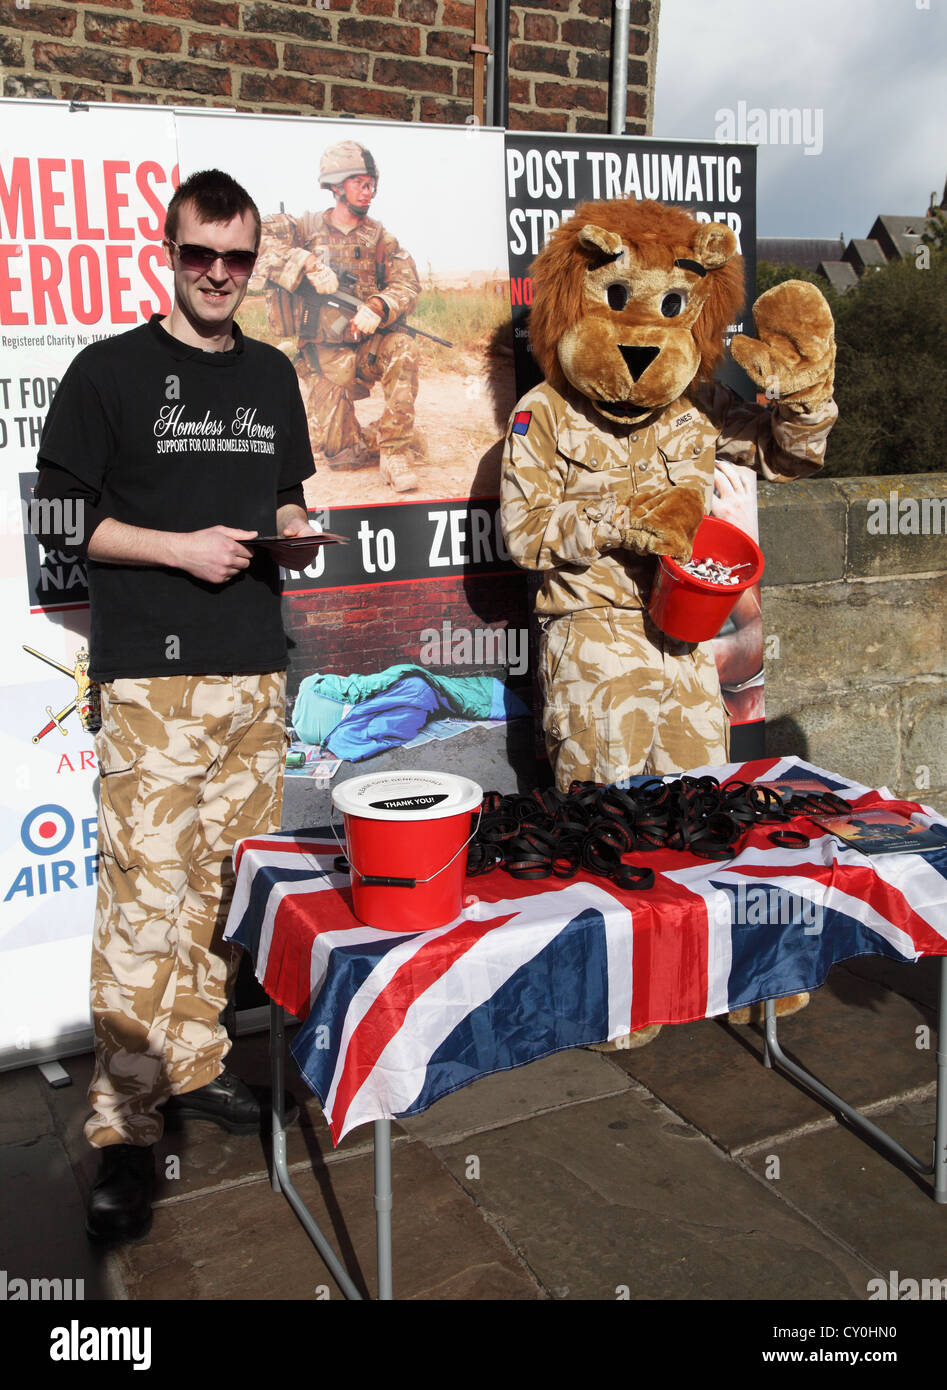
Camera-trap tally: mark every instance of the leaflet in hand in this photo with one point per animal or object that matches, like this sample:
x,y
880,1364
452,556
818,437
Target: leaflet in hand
x,y
298,542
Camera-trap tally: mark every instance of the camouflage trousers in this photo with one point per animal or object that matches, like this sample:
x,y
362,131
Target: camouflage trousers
x,y
188,765
332,377
621,698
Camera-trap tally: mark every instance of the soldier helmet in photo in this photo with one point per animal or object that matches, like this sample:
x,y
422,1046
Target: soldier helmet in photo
x,y
346,160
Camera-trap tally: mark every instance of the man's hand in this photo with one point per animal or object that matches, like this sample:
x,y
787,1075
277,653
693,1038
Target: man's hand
x,y
734,498
214,555
296,557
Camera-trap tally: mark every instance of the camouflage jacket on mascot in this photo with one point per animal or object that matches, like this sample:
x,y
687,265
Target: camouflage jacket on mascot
x,y
609,463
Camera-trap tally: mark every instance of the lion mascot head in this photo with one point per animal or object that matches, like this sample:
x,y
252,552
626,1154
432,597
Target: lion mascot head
x,y
630,304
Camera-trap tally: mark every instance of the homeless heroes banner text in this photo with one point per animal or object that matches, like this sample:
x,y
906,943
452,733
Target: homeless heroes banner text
x,y
82,199
547,177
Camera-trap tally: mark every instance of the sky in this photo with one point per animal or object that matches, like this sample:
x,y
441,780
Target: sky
x,y
868,78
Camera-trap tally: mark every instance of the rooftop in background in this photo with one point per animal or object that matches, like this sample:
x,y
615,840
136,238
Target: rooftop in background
x,y
840,275
864,254
806,252
892,237
897,236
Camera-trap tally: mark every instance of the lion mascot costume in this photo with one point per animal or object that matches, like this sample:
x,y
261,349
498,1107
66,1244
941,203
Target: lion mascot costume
x,y
609,463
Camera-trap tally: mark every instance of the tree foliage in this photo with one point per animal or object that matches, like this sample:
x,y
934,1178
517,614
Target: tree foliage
x,y
891,370
769,273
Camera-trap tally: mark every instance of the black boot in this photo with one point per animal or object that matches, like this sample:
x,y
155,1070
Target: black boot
x,y
230,1103
120,1204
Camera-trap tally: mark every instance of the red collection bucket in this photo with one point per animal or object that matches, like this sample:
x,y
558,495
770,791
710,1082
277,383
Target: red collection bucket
x,y
691,609
406,835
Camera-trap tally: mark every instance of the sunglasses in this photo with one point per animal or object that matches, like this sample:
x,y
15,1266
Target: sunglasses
x,y
238,263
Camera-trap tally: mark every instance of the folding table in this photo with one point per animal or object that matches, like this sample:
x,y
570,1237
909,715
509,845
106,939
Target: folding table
x,y
391,1022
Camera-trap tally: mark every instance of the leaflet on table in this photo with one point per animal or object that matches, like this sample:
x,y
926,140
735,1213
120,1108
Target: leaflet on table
x,y
879,831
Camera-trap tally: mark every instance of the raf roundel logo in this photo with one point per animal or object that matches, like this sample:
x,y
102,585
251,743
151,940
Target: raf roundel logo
x,y
47,829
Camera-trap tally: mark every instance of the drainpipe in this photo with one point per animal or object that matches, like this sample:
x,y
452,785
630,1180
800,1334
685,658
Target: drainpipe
x,y
618,94
498,39
489,76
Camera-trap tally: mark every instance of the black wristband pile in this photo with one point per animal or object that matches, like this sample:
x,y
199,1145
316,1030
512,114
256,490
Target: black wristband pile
x,y
550,833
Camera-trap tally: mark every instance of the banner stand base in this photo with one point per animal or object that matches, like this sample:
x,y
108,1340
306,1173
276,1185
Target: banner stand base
x,y
55,1075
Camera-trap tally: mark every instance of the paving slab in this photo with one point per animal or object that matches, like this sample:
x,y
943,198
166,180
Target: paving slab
x,y
42,1223
566,1078
617,1198
879,1211
24,1112
549,1181
502,759
197,1154
246,1243
920,982
712,1073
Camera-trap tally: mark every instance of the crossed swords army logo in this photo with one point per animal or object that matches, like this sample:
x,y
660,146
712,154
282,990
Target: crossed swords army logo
x,y
86,700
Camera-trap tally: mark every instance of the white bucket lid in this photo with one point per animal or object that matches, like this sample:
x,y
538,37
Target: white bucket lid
x,y
407,796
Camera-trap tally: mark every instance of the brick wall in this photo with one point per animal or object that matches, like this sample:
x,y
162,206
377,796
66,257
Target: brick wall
x,y
405,60
365,630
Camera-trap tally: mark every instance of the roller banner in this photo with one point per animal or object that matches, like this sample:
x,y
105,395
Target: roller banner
x,y
82,198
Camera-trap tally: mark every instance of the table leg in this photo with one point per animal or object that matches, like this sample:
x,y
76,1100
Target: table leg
x,y
281,1181
940,1132
383,1203
277,1062
938,1165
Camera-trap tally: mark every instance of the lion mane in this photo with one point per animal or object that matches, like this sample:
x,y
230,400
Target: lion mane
x,y
656,236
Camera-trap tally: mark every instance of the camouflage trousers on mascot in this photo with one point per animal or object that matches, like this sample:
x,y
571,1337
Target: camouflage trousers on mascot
x,y
188,765
333,377
620,698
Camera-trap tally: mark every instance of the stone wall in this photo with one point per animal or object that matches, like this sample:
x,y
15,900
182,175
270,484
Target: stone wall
x,y
405,60
855,628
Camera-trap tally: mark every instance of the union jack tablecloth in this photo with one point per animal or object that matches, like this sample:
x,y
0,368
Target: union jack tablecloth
x,y
391,1022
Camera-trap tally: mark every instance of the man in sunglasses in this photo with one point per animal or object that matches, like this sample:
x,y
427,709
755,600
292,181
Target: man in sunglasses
x,y
182,441
305,261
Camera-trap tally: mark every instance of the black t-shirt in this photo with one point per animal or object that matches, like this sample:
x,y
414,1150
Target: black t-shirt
x,y
174,438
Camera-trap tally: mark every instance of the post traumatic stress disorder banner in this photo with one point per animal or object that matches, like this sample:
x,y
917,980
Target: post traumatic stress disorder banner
x,y
82,200
547,178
